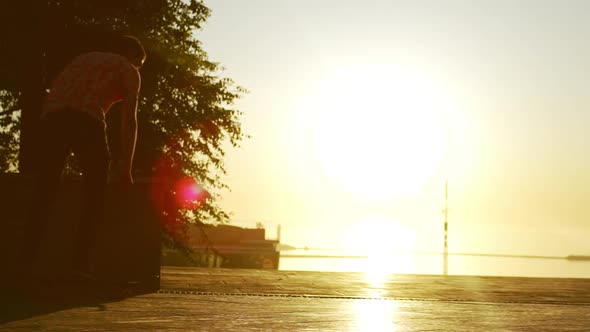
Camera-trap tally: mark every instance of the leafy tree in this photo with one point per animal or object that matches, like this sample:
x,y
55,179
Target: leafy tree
x,y
9,130
186,113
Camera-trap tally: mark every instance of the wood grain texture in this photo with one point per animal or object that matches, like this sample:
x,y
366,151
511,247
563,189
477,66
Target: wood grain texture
x,y
193,299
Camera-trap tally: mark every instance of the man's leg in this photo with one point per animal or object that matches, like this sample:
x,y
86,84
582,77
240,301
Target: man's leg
x,y
93,154
53,149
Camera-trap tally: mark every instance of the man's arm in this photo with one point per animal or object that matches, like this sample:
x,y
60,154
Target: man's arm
x,y
128,135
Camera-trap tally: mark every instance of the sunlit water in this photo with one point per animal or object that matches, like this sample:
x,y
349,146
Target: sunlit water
x,y
337,261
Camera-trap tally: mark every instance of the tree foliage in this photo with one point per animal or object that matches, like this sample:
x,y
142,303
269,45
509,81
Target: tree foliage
x,y
186,114
9,130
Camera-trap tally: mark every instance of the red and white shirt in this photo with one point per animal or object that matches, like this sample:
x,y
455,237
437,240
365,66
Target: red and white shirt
x,y
92,83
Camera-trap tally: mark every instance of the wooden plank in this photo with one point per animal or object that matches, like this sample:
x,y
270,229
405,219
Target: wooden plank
x,y
423,287
198,299
164,312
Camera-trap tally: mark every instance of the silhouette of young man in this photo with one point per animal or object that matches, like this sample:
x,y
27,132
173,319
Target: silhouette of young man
x,y
73,118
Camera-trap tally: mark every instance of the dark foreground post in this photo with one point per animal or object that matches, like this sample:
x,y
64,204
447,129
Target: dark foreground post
x,y
128,240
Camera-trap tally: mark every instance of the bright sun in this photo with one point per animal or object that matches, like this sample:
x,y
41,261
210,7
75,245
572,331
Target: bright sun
x,y
379,131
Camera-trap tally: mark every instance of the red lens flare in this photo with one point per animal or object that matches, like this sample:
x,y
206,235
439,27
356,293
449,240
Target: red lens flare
x,y
188,193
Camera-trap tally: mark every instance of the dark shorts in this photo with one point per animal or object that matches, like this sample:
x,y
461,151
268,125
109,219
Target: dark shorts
x,y
70,130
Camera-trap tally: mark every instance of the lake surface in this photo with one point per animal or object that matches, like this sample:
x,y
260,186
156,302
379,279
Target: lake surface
x,y
428,263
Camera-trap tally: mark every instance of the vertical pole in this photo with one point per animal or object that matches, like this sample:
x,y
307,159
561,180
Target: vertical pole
x,y
279,233
446,228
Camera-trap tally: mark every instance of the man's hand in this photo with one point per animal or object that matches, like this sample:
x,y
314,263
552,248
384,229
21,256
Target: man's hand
x,y
126,179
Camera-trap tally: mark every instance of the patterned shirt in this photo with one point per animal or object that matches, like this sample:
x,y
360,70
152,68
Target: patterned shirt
x,y
92,83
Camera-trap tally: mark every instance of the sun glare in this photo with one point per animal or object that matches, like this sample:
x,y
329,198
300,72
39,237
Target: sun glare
x,y
379,130
384,242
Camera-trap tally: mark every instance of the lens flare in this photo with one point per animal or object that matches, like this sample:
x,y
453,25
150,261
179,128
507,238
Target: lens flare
x,y
188,193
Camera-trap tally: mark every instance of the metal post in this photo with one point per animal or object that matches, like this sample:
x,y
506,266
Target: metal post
x,y
446,227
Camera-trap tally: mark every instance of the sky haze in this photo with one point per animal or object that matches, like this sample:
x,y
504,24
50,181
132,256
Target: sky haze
x,y
491,95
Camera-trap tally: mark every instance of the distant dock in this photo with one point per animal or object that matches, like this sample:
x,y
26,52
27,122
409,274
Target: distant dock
x,y
578,258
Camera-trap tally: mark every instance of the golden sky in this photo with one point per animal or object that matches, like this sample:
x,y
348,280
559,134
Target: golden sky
x,y
359,111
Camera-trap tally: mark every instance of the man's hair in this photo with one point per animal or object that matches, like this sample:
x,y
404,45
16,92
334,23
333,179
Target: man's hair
x,y
130,46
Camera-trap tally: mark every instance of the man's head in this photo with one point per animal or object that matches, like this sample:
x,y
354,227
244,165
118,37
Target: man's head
x,y
131,48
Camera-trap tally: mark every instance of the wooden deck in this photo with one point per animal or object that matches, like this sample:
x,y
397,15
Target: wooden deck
x,y
194,299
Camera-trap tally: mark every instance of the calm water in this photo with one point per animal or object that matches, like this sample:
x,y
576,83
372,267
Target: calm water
x,y
336,261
